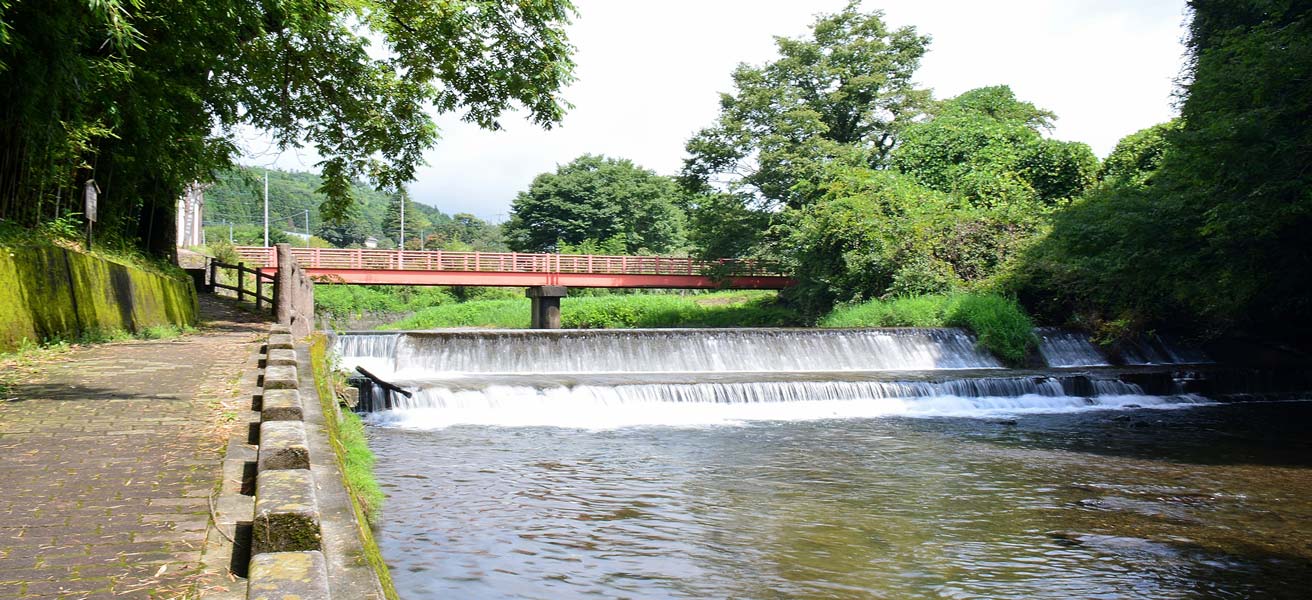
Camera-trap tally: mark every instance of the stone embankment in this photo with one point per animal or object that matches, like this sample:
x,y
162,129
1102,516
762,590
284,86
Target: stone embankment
x,y
284,518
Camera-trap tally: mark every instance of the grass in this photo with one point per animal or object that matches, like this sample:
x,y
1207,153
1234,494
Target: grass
x,y
718,309
346,434
68,233
999,322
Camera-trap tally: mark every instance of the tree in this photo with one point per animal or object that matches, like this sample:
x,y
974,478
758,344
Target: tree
x,y
1138,156
349,233
598,198
145,97
414,220
469,232
879,233
1202,225
986,148
845,92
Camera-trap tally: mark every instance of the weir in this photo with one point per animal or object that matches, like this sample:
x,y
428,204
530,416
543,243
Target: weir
x,y
608,378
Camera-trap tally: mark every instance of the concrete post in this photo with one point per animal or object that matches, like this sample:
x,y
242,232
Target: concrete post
x,y
293,294
283,281
546,305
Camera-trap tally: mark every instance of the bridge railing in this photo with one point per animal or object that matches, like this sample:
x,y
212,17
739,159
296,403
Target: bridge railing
x,y
506,262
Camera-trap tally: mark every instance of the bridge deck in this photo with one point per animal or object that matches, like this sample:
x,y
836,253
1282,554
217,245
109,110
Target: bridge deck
x,y
513,269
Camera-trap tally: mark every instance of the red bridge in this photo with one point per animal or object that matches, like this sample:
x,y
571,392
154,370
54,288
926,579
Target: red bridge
x,y
512,269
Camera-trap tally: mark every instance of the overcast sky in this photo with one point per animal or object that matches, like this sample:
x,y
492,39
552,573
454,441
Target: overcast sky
x,y
650,73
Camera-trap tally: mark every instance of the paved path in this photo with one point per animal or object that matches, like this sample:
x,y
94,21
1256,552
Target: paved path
x,y
108,456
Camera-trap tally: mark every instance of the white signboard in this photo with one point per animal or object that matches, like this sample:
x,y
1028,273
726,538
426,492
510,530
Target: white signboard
x,y
91,192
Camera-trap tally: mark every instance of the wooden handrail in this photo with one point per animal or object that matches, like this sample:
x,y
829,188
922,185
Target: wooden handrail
x,y
242,270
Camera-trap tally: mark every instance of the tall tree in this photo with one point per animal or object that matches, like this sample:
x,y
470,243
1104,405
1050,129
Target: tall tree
x,y
598,198
1207,232
414,221
843,92
986,147
145,97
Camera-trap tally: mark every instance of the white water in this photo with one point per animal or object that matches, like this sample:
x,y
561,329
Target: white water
x,y
1066,348
594,379
727,350
598,409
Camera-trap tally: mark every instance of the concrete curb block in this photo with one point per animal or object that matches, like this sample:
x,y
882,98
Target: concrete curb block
x,y
281,405
286,513
281,357
283,446
288,575
280,341
286,532
280,378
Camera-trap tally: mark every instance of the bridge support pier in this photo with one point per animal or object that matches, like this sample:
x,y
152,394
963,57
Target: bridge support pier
x,y
546,305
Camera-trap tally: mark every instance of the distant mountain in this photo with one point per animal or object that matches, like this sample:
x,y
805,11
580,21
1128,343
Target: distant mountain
x,y
237,198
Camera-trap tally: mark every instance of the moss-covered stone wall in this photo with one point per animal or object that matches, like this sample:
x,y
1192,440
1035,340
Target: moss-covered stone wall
x,y
51,292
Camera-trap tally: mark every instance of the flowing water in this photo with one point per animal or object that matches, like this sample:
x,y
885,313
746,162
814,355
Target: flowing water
x,y
934,475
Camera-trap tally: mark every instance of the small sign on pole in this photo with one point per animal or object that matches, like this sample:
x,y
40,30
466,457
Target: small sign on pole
x,y
91,193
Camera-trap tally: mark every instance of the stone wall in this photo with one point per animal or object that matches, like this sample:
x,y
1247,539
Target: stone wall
x,y
52,292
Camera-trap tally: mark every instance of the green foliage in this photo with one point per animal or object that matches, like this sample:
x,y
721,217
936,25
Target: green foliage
x,y
1201,225
346,435
985,148
237,196
505,313
597,198
146,97
842,94
898,311
340,301
415,221
721,309
612,246
1000,324
879,233
1138,155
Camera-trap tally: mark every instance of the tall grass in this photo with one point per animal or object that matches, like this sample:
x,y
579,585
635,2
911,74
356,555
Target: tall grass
x,y
347,437
999,322
722,309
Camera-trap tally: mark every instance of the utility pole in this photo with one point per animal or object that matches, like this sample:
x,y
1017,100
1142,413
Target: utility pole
x,y
266,209
307,228
403,221
421,239
230,233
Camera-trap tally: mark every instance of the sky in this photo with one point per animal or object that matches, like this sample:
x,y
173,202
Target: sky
x,y
649,75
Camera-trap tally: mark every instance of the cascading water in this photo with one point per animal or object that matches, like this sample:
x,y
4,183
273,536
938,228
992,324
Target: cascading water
x,y
594,379
1066,348
1161,350
673,350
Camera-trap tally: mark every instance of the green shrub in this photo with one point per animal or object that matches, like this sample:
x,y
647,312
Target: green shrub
x,y
999,322
910,311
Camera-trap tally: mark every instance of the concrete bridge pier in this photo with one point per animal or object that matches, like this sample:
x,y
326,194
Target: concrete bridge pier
x,y
546,305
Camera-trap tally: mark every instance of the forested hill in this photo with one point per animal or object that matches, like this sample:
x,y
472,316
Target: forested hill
x,y
237,198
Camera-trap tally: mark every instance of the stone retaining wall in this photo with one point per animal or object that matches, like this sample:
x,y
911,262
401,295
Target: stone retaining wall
x,y
51,292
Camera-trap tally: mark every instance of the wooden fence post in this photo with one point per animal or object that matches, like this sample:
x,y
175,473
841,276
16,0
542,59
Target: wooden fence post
x,y
241,281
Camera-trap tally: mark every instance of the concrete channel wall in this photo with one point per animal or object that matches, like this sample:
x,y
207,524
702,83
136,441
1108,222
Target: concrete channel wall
x,y
284,518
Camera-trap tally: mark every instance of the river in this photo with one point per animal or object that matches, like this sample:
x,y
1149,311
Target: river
x,y
621,494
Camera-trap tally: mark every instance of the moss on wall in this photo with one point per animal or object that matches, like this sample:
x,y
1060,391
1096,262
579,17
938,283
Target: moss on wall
x,y
52,292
